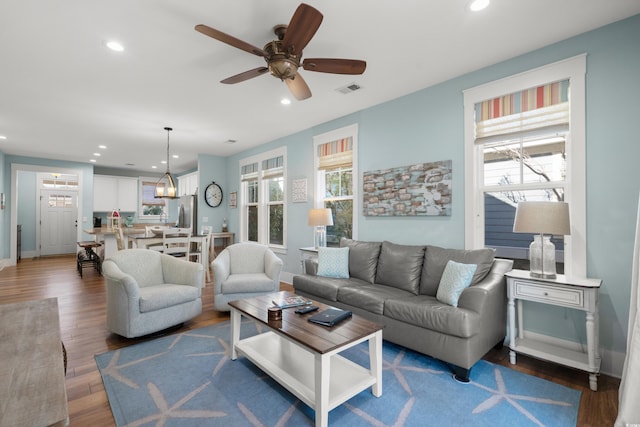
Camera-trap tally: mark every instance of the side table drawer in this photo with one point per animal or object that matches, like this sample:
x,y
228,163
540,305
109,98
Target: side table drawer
x,y
549,294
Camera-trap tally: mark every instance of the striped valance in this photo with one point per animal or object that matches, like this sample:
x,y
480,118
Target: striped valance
x,y
249,172
541,108
336,154
273,167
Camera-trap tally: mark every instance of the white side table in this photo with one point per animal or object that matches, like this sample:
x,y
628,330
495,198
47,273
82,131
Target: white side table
x,y
305,254
577,293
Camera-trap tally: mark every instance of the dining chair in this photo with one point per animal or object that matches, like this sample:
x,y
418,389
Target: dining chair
x,y
176,242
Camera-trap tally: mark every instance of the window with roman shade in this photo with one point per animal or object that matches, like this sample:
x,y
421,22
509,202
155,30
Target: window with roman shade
x,y
525,141
262,198
335,172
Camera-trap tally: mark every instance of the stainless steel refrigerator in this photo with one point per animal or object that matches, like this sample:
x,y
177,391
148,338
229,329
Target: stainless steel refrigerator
x,y
188,213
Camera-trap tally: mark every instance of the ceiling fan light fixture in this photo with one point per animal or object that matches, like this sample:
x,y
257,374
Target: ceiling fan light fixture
x,y
114,46
171,190
478,5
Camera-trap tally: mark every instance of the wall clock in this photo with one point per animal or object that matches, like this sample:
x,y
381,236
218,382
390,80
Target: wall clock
x,y
213,195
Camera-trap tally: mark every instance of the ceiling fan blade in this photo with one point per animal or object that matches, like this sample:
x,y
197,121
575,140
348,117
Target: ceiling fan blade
x,y
304,23
245,76
298,87
335,66
230,40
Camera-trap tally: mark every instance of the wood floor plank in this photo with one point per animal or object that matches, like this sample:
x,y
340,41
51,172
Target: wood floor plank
x,y
82,308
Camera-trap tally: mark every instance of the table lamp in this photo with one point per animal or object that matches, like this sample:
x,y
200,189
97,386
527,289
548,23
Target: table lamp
x,y
544,219
320,218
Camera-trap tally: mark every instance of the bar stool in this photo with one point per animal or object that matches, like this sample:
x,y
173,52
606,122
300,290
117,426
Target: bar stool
x,y
89,257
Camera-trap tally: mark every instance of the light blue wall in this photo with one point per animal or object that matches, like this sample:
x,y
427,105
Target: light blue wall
x,y
213,168
428,126
27,209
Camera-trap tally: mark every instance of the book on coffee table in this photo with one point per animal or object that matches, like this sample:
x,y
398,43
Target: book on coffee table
x,y
288,302
330,317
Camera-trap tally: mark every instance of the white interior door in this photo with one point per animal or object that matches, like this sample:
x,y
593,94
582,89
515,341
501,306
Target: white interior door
x,y
58,221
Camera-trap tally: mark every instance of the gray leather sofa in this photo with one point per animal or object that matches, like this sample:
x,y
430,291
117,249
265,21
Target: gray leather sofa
x,y
396,285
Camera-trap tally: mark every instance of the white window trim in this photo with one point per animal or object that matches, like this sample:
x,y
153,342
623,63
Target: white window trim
x,y
318,200
573,69
262,202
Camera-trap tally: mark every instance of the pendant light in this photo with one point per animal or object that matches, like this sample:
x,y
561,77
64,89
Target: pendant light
x,y
171,190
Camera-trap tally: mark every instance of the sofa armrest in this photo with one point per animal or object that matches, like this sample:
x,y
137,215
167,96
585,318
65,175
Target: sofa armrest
x,y
181,272
311,267
272,265
116,277
221,266
490,294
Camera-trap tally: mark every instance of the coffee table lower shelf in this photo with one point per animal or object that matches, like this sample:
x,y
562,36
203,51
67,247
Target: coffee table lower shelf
x,y
292,366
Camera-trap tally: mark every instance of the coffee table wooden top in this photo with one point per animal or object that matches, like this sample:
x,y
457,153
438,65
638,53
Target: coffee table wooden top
x,y
318,338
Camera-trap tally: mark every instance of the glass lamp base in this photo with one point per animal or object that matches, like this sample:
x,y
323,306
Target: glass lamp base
x,y
542,257
320,237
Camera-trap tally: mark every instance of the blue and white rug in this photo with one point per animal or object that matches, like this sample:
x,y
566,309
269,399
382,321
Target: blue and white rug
x,y
188,380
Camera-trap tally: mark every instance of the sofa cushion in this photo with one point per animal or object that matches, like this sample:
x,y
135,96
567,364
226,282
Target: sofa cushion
x,y
371,297
436,259
324,287
363,258
455,278
427,312
333,262
400,266
162,296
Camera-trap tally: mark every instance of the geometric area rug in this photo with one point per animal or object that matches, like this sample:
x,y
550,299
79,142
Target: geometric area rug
x,y
187,379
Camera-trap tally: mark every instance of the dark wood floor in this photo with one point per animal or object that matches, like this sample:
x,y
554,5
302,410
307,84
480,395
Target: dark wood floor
x,y
82,318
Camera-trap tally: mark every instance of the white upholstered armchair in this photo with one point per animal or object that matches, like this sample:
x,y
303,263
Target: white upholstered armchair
x,y
244,270
148,291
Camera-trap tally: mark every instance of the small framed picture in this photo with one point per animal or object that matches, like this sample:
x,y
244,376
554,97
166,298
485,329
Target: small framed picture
x,y
299,190
232,200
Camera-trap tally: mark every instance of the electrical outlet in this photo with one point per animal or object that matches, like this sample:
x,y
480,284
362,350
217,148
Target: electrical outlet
x,y
205,219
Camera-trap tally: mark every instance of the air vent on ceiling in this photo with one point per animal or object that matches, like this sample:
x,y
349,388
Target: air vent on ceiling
x,y
231,141
351,87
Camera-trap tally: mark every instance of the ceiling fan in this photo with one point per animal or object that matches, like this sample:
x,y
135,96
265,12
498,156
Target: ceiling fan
x,y
284,55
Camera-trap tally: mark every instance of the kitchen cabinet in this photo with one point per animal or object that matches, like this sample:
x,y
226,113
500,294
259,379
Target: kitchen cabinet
x,y
115,192
188,184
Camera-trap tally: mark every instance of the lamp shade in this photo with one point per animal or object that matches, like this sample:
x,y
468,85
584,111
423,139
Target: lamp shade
x,y
320,217
542,218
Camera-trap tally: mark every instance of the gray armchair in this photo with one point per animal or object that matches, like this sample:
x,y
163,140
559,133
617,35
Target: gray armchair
x,y
244,270
148,291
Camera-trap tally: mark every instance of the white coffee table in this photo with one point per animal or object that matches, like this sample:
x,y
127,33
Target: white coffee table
x,y
304,357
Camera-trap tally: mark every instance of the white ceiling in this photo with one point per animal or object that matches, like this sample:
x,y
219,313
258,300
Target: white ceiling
x,y
63,93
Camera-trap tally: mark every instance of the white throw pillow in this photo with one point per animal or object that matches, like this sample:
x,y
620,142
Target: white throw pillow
x,y
333,262
455,279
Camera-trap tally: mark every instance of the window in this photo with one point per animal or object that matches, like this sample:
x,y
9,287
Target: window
x,y
335,180
150,205
262,198
526,145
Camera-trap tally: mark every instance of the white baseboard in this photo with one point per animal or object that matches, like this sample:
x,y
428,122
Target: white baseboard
x,y
612,361
286,277
4,263
28,254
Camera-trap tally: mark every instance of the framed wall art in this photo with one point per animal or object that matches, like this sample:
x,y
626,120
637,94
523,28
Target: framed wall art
x,y
420,189
299,190
232,199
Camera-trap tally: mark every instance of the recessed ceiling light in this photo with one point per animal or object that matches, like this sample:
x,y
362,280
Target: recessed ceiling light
x,y
92,160
154,167
102,147
175,156
285,101
97,154
3,137
164,162
478,5
115,46
231,141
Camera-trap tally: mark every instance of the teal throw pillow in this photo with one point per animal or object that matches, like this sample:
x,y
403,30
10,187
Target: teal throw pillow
x,y
333,262
455,279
